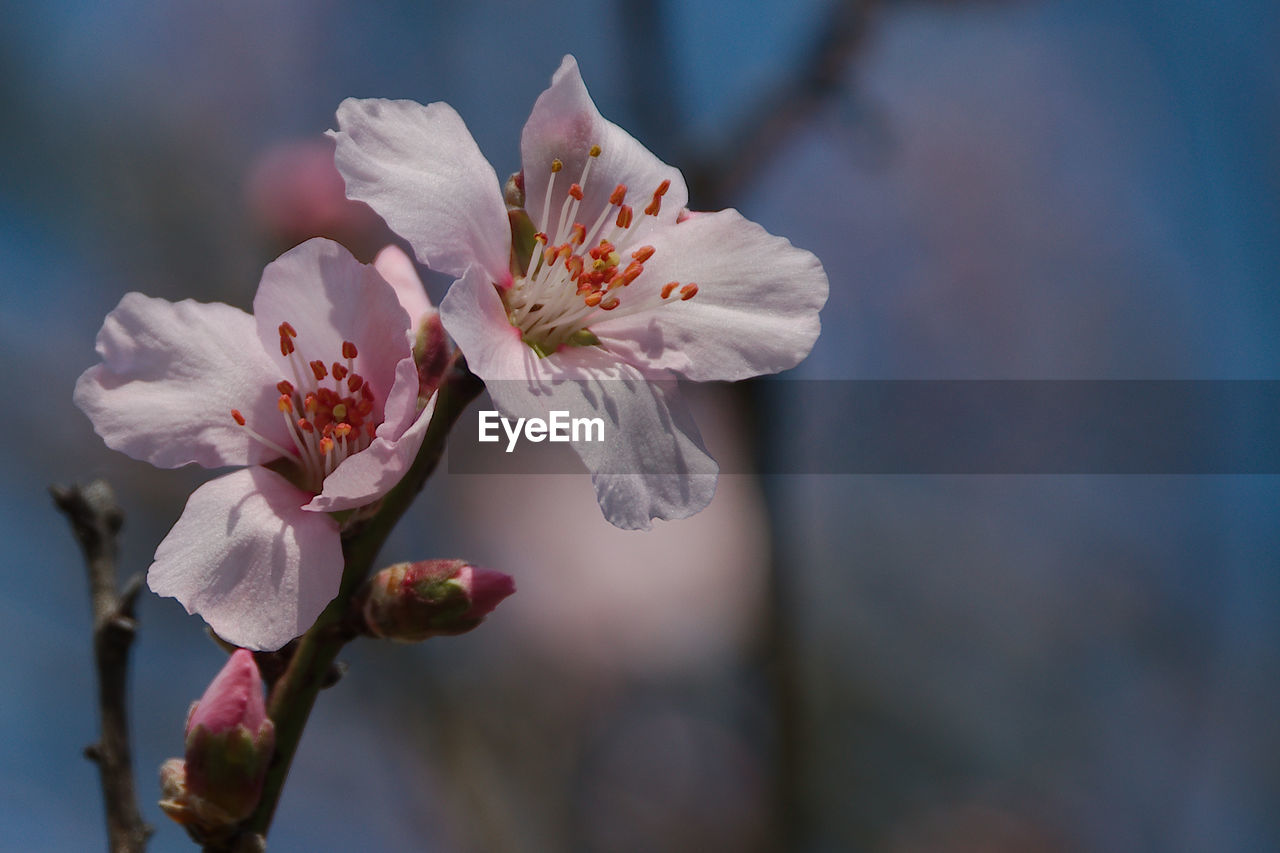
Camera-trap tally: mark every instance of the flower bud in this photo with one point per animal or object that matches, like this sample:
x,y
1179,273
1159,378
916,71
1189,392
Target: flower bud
x,y
408,602
430,353
229,744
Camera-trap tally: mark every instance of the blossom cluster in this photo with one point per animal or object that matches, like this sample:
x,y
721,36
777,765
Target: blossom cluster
x,y
587,286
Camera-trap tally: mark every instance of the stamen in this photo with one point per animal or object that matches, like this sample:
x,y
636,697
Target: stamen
x,y
668,287
688,292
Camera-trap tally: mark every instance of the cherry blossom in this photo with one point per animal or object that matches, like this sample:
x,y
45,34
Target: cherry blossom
x,y
592,288
316,392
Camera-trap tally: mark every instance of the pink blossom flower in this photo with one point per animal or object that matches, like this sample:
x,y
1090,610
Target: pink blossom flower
x,y
316,391
621,291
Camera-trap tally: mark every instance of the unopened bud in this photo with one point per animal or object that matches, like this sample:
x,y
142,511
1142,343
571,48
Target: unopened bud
x,y
408,602
431,354
229,744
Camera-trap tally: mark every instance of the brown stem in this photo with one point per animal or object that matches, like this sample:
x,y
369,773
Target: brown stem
x,y
95,520
294,694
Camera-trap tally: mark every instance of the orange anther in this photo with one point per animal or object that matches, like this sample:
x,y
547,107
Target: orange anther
x,y
286,345
624,216
668,287
354,381
643,254
609,304
237,417
310,403
593,298
286,329
306,425
285,403
342,430
579,234
662,189
318,368
339,371
688,292
284,387
326,445
576,192
349,350
619,194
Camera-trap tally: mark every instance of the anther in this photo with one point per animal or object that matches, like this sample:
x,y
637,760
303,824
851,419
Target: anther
x,y
643,254
311,403
342,430
556,166
318,368
609,304
579,234
594,152
286,329
285,403
668,287
306,425
339,372
326,445
285,387
575,192
237,417
688,292
286,345
619,194
593,298
354,381
349,350
624,216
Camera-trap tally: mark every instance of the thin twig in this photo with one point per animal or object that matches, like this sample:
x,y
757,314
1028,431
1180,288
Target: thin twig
x,y
95,520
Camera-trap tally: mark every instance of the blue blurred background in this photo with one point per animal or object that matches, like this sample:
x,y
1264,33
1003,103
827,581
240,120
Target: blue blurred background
x,y
1032,190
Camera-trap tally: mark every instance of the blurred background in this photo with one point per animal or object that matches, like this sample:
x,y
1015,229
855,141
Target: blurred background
x,y
998,190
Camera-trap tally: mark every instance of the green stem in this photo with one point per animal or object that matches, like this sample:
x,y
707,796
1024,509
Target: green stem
x,y
295,693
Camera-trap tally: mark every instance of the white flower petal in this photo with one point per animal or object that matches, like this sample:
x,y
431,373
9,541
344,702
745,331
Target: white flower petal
x,y
330,297
170,375
756,309
397,268
564,125
473,314
247,558
419,168
651,463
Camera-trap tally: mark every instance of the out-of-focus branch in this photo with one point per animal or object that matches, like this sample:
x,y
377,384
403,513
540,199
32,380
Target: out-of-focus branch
x,y
778,114
95,520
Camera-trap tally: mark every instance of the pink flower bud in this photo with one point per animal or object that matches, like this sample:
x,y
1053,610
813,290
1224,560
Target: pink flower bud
x,y
431,353
408,602
229,744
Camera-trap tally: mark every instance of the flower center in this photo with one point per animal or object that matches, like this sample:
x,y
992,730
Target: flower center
x,y
577,274
328,421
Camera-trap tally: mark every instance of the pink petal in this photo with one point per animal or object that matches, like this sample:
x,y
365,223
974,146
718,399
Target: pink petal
x,y
170,375
473,314
330,297
564,125
651,464
756,309
233,698
397,268
420,169
247,558
374,471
